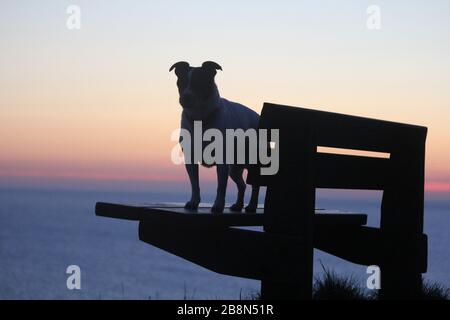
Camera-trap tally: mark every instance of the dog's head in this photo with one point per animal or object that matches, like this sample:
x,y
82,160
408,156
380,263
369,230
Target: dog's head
x,y
196,87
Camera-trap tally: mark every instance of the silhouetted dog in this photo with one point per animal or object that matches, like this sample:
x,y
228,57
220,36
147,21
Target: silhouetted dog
x,y
201,101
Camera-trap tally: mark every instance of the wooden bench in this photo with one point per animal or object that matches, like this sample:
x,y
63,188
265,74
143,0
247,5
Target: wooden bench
x,y
282,255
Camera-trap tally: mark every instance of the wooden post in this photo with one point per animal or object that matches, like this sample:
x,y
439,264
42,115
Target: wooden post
x,y
402,219
289,208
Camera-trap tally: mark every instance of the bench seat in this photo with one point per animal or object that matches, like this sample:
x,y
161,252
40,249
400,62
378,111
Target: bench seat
x,y
169,213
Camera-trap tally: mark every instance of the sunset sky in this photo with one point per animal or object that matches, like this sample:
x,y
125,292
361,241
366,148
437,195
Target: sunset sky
x,y
99,102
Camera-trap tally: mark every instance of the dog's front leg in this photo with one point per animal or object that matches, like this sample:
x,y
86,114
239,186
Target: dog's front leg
x,y
192,170
222,179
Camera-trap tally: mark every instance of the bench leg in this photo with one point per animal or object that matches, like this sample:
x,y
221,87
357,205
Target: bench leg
x,y
398,283
300,287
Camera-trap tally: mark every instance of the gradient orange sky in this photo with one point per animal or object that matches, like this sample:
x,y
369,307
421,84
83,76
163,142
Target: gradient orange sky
x,y
99,103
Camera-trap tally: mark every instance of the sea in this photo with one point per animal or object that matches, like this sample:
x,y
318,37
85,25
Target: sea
x,y
44,230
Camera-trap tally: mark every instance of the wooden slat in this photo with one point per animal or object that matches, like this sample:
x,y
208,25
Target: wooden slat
x,y
367,245
339,219
336,171
343,131
229,251
178,217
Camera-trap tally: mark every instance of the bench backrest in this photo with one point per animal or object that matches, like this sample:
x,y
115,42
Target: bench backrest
x,y
401,176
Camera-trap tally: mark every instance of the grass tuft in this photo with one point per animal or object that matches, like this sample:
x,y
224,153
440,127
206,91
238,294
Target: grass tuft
x,y
434,291
333,287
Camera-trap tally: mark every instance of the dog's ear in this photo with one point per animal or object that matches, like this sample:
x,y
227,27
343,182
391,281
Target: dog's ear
x,y
180,68
211,66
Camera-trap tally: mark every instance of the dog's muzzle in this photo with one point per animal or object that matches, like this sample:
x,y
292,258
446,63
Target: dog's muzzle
x,y
187,100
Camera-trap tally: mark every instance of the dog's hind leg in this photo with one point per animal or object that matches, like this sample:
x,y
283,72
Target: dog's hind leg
x,y
222,178
192,170
253,204
236,175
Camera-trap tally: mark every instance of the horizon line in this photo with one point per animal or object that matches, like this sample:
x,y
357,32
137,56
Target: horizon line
x,y
430,187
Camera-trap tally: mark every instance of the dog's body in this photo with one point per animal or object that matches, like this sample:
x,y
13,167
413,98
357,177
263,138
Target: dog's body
x,y
228,115
201,101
